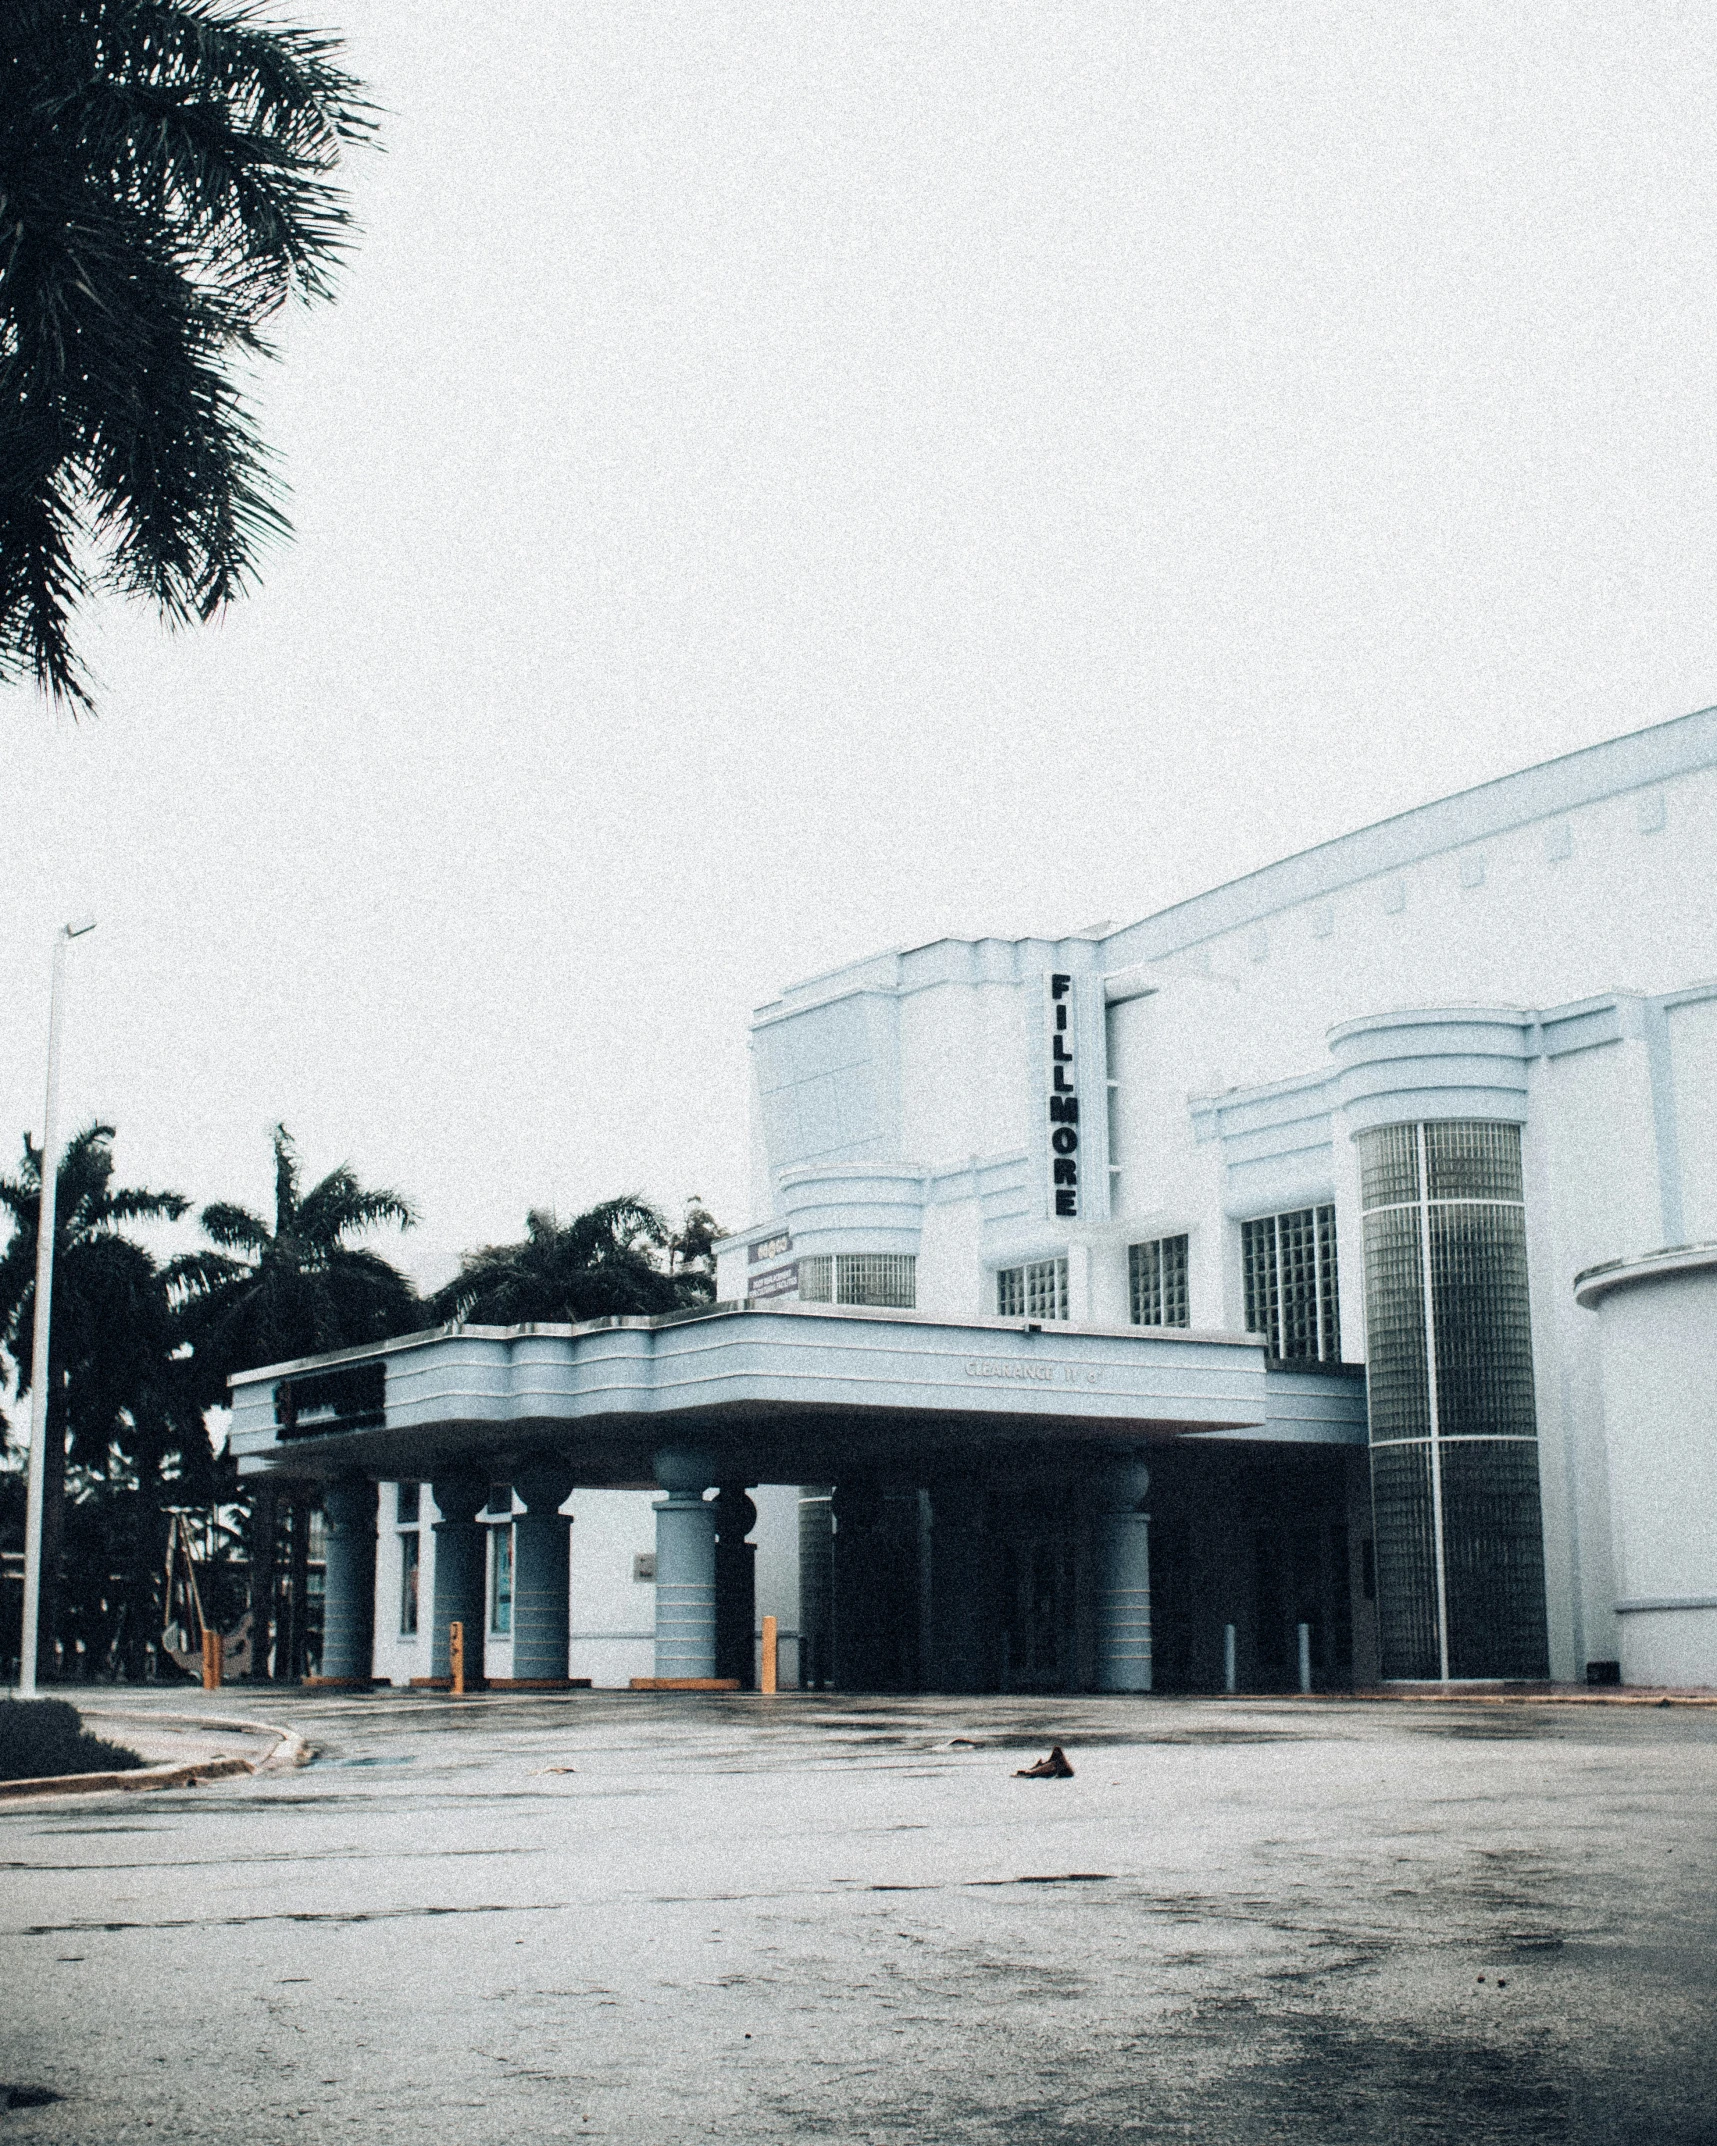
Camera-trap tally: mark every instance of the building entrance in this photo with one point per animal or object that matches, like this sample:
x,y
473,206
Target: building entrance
x,y
997,1586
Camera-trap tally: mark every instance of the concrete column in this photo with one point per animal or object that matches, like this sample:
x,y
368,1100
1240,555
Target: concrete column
x,y
461,1570
349,1582
685,1566
735,1586
879,1610
962,1589
857,1510
1124,1579
541,1552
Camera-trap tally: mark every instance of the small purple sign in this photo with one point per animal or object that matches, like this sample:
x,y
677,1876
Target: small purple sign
x,y
778,1282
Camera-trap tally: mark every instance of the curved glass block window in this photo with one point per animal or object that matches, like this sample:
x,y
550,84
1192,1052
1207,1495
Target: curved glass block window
x,y
887,1279
1493,1545
1470,1159
1484,1323
1389,1166
1292,1283
1038,1290
1400,1393
1405,1547
1156,1280
1455,1490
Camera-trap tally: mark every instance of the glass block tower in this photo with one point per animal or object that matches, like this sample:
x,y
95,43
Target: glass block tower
x,y
1454,1433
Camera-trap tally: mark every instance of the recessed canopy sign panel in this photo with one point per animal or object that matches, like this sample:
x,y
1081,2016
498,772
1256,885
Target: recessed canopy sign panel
x,y
351,1397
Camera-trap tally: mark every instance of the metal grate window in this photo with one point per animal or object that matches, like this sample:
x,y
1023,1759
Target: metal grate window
x,y
885,1278
1038,1290
1292,1283
1156,1274
408,1571
888,1279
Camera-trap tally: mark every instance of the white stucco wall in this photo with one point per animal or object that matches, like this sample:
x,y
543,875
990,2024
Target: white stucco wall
x,y
1577,893
1658,1351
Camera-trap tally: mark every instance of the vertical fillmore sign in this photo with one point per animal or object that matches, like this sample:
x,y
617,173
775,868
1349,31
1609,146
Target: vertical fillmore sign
x,y
1063,1098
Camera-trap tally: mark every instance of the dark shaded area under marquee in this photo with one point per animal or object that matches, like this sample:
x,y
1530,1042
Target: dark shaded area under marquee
x,y
987,1582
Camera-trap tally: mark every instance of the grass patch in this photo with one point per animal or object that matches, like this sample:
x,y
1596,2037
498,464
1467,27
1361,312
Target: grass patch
x,y
39,1737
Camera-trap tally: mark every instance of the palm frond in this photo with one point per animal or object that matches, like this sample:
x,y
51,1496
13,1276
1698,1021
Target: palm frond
x,y
132,1203
340,1205
198,1275
235,1227
167,181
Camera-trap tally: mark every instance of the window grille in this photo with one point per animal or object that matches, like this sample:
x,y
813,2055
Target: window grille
x,y
888,1279
1292,1295
1156,1273
885,1278
1038,1290
408,1570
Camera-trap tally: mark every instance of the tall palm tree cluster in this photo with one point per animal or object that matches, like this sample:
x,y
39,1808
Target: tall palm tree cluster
x,y
141,1349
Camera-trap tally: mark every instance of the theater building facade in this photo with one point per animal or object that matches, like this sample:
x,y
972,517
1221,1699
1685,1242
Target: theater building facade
x,y
1312,1284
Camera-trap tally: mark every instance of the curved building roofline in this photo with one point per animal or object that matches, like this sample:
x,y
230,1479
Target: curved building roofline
x,y
1586,777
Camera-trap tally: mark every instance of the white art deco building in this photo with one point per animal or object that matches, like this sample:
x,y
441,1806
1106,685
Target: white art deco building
x,y
1317,1280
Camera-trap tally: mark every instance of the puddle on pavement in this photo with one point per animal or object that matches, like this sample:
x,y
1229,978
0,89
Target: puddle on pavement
x,y
28,2097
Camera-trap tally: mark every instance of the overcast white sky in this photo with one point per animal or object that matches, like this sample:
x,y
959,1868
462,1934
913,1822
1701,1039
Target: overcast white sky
x,y
786,480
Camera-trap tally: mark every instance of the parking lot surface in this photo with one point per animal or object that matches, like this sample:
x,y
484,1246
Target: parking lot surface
x,y
661,1918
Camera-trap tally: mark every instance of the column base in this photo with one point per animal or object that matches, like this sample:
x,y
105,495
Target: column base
x,y
538,1683
339,1683
685,1684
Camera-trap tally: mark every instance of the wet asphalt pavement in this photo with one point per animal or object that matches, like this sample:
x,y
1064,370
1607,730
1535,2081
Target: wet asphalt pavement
x,y
809,1919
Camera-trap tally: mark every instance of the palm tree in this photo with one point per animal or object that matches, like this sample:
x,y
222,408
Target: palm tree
x,y
293,1290
165,185
691,1251
600,1265
114,1378
298,1288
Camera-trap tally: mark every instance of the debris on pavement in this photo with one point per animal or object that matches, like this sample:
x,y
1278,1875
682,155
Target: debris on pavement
x,y
1053,1768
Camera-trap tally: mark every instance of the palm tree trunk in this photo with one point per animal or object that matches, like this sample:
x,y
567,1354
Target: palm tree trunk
x,y
144,1612
291,1668
263,1521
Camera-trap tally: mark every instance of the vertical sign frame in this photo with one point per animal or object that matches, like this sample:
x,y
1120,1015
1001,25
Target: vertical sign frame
x,y
1061,1051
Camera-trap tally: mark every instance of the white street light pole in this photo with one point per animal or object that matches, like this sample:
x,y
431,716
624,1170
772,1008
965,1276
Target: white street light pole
x,y
46,1218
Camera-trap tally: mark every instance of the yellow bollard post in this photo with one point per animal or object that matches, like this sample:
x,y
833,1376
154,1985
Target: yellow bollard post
x,y
771,1653
456,1654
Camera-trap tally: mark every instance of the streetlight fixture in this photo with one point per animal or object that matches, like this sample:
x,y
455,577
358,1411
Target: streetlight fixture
x,y
46,1222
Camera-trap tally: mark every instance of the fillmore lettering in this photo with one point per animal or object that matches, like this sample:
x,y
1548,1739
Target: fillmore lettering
x,y
1063,1099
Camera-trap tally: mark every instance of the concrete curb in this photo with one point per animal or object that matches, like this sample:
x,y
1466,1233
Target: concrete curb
x,y
289,1750
1525,1695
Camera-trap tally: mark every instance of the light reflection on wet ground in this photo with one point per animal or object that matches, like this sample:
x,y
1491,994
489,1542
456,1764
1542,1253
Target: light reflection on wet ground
x,y
1250,1920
